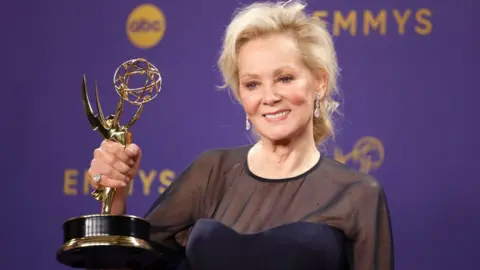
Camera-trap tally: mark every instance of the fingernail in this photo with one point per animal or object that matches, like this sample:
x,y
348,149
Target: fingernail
x,y
132,148
123,184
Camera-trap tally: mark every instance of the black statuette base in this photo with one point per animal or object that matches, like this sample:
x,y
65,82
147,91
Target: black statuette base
x,y
106,242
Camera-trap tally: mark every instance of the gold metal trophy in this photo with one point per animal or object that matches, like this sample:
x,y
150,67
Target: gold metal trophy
x,y
106,241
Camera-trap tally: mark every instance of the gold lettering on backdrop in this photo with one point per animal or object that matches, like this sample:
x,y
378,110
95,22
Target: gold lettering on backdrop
x,y
321,14
340,22
74,183
368,153
69,182
147,180
401,19
378,22
347,22
166,177
422,16
343,23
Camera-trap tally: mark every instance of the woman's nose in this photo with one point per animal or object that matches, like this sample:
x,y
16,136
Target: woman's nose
x,y
270,96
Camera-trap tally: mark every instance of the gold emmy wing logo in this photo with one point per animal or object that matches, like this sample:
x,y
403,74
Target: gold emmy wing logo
x,y
146,26
368,153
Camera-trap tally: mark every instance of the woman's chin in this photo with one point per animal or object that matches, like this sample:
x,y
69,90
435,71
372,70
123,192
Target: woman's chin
x,y
278,137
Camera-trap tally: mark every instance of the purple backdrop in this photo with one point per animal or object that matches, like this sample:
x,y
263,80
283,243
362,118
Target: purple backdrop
x,y
408,80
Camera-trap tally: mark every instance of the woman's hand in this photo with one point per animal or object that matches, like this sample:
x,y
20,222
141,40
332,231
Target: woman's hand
x,y
114,166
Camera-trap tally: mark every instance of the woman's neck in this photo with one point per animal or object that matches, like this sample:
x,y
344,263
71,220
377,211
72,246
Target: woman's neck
x,y
277,160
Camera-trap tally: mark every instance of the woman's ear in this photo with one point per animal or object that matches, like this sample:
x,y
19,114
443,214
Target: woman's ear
x,y
321,82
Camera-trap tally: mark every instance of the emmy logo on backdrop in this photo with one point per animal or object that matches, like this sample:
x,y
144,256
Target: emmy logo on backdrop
x,y
368,152
106,241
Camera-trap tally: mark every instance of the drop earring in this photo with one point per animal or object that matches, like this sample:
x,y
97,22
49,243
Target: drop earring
x,y
316,112
247,124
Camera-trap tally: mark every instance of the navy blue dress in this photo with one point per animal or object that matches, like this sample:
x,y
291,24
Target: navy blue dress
x,y
218,215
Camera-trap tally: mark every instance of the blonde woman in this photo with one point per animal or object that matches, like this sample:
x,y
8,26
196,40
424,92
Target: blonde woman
x,y
278,204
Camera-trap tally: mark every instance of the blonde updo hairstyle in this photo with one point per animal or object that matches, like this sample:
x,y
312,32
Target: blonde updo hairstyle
x,y
314,43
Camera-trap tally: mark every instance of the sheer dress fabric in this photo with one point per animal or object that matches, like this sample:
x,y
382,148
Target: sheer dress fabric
x,y
218,215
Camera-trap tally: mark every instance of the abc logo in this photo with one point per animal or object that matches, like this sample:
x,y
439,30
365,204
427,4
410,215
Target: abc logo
x,y
146,26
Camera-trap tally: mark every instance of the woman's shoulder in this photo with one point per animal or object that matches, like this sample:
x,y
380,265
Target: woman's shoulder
x,y
350,178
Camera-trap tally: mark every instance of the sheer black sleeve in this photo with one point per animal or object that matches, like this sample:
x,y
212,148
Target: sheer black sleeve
x,y
373,245
176,210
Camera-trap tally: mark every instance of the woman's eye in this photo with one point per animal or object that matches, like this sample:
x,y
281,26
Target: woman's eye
x,y
286,78
251,85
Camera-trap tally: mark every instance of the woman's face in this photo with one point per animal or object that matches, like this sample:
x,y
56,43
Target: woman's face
x,y
276,88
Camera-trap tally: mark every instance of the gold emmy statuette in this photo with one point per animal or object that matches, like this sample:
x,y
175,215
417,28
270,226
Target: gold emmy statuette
x,y
106,241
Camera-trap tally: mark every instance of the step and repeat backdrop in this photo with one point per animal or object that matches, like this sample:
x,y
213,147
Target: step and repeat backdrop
x,y
409,104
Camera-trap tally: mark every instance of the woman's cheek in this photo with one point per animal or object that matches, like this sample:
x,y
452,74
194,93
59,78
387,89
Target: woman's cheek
x,y
250,103
298,98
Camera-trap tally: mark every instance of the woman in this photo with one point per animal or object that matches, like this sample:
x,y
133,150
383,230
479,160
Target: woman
x,y
280,203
